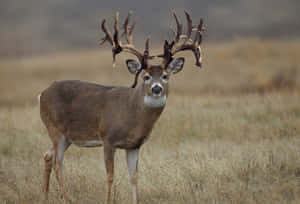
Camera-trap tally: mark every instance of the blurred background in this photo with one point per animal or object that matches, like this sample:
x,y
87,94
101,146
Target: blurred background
x,y
248,47
33,27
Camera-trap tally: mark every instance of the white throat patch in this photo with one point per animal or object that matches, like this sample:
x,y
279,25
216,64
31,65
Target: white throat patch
x,y
154,102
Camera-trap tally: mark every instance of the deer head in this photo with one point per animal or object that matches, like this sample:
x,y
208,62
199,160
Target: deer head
x,y
155,77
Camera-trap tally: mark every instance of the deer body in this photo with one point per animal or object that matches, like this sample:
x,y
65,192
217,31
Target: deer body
x,y
85,112
90,115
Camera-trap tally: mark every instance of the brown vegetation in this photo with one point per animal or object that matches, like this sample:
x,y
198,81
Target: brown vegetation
x,y
230,132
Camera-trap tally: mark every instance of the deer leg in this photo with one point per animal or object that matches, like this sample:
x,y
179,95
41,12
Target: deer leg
x,y
59,151
109,153
132,164
48,157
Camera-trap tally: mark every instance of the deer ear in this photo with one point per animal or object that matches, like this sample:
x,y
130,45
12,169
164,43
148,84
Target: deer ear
x,y
176,65
133,66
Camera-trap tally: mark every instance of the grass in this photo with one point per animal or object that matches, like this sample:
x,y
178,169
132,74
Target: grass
x,y
229,134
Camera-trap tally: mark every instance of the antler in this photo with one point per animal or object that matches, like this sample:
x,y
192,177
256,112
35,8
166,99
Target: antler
x,y
170,49
115,41
118,47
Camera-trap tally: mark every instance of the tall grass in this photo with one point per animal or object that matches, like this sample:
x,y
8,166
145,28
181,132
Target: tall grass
x,y
221,139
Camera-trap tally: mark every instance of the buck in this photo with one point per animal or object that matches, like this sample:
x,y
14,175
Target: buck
x,y
90,115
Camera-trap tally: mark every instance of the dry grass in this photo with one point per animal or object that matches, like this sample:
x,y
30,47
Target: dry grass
x,y
229,134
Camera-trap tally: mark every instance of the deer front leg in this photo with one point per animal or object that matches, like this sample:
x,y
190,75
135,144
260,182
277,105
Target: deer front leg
x,y
132,163
109,153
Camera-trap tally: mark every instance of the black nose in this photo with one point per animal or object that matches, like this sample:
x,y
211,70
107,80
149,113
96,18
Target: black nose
x,y
156,89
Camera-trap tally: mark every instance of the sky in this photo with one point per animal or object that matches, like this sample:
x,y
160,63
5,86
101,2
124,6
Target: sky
x,y
33,27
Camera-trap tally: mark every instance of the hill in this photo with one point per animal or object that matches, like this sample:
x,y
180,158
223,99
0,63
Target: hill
x,y
32,27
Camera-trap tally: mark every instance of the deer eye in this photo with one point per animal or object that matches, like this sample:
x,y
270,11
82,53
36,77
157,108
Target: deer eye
x,y
165,76
146,78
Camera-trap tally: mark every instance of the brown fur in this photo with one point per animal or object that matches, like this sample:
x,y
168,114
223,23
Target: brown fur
x,y
93,115
84,111
77,111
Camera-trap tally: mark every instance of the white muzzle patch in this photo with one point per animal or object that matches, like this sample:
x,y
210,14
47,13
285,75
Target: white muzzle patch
x,y
159,85
155,102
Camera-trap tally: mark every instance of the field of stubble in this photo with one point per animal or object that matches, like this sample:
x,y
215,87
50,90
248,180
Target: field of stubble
x,y
230,132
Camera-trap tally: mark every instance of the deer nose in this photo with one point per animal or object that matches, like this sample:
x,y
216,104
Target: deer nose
x,y
156,89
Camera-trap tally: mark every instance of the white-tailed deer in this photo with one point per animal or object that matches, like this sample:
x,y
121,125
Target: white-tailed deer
x,y
90,115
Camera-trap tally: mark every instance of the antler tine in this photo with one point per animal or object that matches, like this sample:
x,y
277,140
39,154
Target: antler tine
x,y
131,28
146,52
125,25
116,27
179,28
107,36
198,36
167,55
127,30
173,31
189,26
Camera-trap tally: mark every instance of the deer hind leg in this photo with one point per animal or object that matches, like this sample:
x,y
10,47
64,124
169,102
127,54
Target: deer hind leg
x,y
48,157
59,151
109,153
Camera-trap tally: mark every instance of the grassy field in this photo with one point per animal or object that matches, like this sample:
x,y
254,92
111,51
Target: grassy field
x,y
230,132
